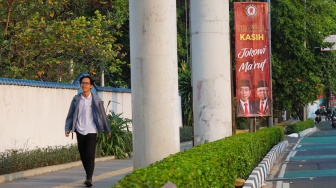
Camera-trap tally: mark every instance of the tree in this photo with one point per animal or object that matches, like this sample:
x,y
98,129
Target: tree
x,y
298,27
185,90
56,40
183,40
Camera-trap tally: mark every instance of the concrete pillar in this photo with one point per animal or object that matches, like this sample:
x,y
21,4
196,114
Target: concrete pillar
x,y
154,80
211,70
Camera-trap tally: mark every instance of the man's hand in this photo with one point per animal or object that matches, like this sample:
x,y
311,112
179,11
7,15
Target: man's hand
x,y
108,135
67,133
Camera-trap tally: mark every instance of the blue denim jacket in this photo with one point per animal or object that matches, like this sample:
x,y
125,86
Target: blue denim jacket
x,y
99,116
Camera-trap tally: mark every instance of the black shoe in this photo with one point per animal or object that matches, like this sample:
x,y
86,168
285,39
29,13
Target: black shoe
x,y
88,182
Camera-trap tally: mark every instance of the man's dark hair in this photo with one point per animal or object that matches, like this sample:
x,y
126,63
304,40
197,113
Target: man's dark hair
x,y
87,76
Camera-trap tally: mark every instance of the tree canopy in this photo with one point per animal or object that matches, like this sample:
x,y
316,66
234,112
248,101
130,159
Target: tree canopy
x,y
55,40
300,72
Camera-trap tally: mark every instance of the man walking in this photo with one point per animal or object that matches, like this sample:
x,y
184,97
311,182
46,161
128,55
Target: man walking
x,y
87,117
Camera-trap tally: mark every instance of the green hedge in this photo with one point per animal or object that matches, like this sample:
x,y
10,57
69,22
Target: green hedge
x,y
212,164
299,126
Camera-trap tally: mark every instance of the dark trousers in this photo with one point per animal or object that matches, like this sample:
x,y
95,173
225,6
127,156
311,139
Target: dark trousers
x,y
87,150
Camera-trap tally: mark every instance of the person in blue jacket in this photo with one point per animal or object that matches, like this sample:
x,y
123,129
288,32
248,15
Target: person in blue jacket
x,y
87,117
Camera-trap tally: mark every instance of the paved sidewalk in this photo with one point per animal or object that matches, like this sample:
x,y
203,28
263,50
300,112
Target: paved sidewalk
x,y
108,171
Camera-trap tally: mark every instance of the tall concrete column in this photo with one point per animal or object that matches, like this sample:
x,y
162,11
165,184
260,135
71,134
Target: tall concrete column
x,y
154,79
211,71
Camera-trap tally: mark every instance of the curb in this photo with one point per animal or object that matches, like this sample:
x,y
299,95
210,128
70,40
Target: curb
x,y
307,131
38,171
258,175
186,143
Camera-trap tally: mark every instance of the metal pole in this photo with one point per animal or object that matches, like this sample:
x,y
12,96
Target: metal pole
x,y
251,125
254,124
270,119
102,79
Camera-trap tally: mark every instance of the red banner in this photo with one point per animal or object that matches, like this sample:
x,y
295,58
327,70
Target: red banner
x,y
253,83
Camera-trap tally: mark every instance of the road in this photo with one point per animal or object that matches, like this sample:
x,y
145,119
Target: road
x,y
308,162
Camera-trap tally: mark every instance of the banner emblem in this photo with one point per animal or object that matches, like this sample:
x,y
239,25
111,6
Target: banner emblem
x,y
251,10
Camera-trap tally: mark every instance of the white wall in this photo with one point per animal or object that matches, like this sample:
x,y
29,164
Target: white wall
x,y
120,103
33,117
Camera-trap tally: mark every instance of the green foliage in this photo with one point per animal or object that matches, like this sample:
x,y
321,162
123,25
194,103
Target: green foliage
x,y
213,164
120,143
185,90
263,122
299,126
242,123
298,28
56,40
18,160
183,40
186,134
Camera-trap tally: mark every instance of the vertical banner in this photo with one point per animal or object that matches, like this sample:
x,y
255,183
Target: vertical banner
x,y
253,82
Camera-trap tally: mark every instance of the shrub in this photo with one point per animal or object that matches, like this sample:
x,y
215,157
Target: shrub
x,y
120,143
185,90
186,134
18,160
299,126
242,123
263,121
212,164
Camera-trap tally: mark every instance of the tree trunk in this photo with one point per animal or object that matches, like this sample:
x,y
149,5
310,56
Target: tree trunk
x,y
299,112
